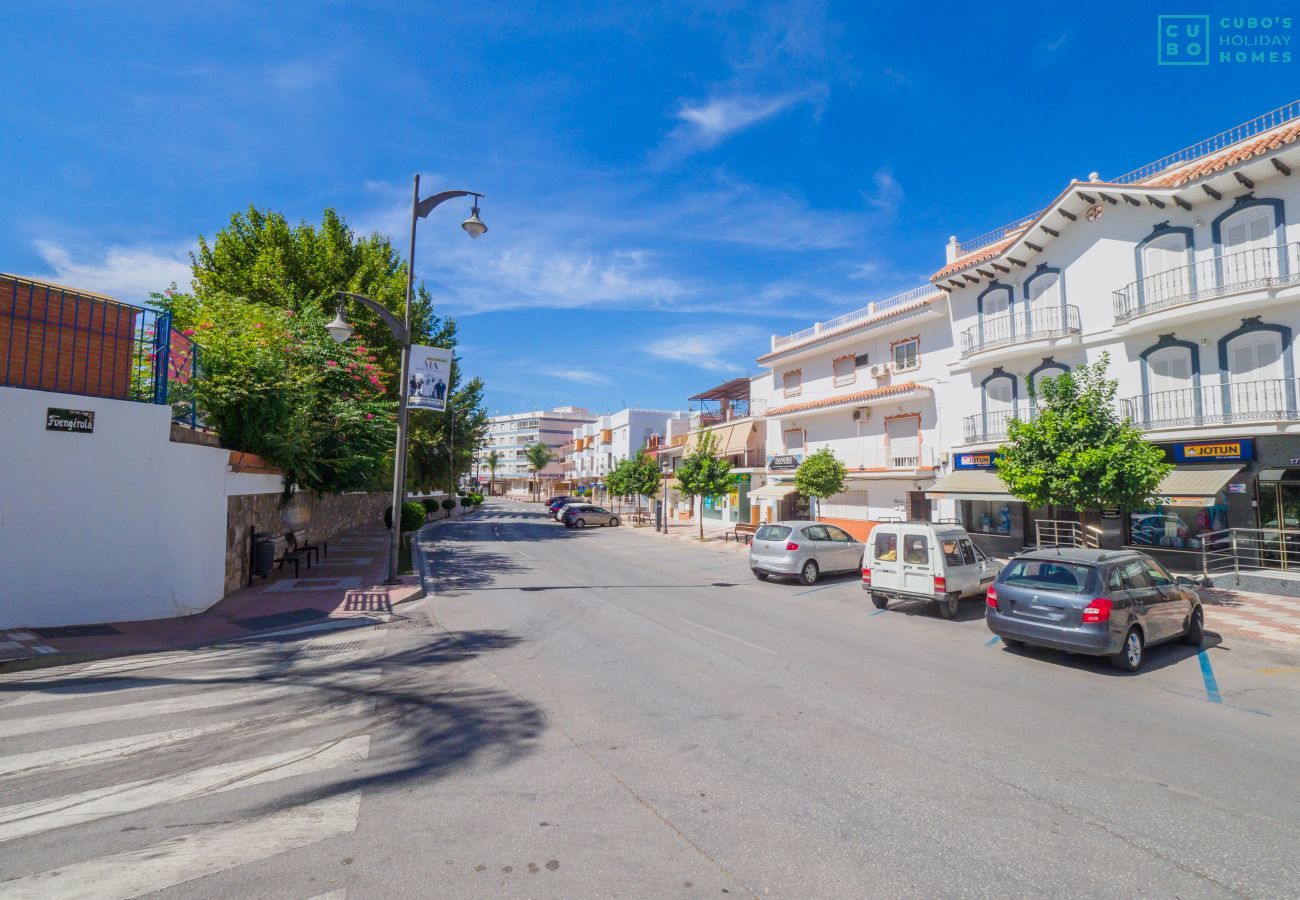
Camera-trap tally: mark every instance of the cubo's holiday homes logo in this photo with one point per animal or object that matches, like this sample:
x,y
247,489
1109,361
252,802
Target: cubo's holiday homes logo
x,y
1198,40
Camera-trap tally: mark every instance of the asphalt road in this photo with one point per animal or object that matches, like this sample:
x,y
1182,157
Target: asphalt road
x,y
613,713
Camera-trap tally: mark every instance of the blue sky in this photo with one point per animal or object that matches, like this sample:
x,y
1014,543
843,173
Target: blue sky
x,y
668,185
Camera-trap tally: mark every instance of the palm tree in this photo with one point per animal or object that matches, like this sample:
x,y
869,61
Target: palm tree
x,y
492,459
538,455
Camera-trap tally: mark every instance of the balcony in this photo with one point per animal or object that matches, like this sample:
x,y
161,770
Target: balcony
x,y
1218,276
751,458
1024,326
987,428
866,313
896,455
1269,400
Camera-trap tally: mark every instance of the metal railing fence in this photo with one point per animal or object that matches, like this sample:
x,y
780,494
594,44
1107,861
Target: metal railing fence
x,y
1026,324
1207,278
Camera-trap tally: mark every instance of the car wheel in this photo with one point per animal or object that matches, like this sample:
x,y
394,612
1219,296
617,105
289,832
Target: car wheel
x,y
614,521
1195,632
761,576
948,606
808,574
879,601
579,523
1129,658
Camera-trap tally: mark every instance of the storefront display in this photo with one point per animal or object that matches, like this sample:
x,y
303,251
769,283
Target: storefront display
x,y
1178,523
988,517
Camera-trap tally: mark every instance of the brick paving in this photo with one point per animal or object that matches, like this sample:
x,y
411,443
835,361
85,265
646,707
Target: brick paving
x,y
346,584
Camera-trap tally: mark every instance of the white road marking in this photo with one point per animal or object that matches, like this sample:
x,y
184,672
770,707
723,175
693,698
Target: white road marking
x,y
38,816
48,760
181,859
727,636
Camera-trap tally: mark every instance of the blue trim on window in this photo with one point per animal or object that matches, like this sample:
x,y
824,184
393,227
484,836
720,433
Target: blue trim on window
x,y
1288,365
1046,364
1011,304
1189,248
984,393
1279,225
1165,342
1043,269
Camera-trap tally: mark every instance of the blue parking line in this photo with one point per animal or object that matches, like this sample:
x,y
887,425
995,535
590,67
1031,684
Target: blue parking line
x,y
993,640
878,612
824,587
1207,674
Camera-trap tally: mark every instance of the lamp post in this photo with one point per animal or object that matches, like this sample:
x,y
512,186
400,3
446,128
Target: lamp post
x,y
340,330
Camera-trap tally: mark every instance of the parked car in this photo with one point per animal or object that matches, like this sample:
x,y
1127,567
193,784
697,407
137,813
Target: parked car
x,y
925,561
804,550
559,510
580,515
1112,603
553,505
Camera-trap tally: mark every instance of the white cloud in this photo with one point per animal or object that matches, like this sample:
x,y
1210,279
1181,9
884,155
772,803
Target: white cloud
x,y
127,273
714,349
582,376
888,193
705,125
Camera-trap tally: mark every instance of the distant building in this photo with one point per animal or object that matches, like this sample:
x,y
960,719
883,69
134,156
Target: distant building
x,y
509,435
599,445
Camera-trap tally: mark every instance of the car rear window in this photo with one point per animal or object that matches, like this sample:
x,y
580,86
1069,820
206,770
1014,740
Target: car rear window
x,y
887,547
772,533
1050,575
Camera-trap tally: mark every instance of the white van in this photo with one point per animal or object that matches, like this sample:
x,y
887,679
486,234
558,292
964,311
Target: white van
x,y
924,561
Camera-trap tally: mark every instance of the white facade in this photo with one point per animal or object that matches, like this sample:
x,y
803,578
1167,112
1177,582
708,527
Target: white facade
x,y
509,435
599,445
865,386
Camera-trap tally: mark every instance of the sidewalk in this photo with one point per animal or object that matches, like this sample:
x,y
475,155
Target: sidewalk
x,y
345,585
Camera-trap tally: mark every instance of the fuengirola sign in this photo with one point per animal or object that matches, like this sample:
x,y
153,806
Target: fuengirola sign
x,y
80,421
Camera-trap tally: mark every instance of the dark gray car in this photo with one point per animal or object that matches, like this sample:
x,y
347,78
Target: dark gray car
x,y
1110,603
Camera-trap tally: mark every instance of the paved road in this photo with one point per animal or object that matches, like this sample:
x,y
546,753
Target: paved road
x,y
610,713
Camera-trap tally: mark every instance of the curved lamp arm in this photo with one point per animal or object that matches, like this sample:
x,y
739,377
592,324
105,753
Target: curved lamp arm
x,y
394,324
426,206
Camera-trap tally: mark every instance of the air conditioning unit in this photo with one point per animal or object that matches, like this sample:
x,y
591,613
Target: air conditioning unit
x,y
880,370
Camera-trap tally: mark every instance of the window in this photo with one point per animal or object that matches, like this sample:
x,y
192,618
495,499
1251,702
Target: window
x,y
791,383
1255,356
1116,580
1047,575
1047,372
916,549
1044,289
1164,253
968,553
793,441
1157,574
1250,229
886,547
816,533
999,394
903,434
772,533
995,303
1169,369
951,552
844,371
839,535
907,354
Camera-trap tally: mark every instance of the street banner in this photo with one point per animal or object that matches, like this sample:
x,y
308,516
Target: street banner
x,y
430,378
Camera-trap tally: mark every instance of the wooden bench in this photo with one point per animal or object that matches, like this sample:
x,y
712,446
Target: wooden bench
x,y
742,532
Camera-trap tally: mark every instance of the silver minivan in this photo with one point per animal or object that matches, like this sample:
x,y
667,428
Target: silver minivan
x,y
925,561
805,550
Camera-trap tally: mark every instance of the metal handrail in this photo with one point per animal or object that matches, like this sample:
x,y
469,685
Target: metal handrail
x,y
1233,549
1262,400
1214,276
1064,533
865,312
997,234
990,426
1032,324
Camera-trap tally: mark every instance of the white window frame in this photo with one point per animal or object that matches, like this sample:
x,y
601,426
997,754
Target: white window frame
x,y
797,389
916,355
850,376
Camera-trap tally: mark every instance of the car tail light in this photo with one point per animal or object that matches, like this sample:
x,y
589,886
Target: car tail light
x,y
991,598
940,584
1098,611
791,545
866,575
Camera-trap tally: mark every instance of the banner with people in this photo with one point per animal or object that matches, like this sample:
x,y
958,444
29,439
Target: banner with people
x,y
430,378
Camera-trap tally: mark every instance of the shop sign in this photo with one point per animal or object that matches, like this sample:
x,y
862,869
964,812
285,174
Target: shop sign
x,y
974,460
1112,513
1237,488
1184,501
789,461
80,421
742,477
1215,451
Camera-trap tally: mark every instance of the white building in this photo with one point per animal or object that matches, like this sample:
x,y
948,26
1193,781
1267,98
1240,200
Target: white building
x,y
865,385
510,435
1186,272
599,444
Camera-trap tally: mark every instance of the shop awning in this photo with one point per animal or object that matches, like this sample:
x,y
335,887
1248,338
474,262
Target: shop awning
x,y
721,434
737,439
772,491
1195,481
970,484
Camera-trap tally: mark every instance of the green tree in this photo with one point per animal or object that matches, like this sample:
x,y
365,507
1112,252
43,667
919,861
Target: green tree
x,y
646,476
619,481
703,473
538,455
493,460
821,475
1076,451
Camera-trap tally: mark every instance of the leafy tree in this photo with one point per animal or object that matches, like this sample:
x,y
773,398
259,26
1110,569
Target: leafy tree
x,y
636,476
619,480
1076,451
703,473
821,475
538,455
493,460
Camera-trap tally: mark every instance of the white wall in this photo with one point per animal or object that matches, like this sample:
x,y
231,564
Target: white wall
x,y
115,525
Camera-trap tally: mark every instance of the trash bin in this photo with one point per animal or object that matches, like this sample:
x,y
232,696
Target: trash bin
x,y
659,515
263,552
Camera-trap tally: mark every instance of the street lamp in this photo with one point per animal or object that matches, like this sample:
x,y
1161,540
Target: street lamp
x,y
340,330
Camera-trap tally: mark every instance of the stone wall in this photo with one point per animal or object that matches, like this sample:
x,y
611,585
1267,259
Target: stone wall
x,y
323,515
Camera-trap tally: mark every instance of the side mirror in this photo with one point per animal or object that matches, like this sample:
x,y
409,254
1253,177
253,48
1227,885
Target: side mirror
x,y
1185,581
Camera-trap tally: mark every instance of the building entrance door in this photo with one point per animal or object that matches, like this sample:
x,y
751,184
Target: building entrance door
x,y
1279,508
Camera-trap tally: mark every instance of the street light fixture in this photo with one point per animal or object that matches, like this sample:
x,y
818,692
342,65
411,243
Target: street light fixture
x,y
340,330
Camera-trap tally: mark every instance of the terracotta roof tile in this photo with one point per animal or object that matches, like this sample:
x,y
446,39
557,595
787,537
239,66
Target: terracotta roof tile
x,y
848,399
1233,155
975,258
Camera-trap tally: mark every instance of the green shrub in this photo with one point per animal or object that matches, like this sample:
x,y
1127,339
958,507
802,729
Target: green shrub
x,y
448,504
430,505
413,516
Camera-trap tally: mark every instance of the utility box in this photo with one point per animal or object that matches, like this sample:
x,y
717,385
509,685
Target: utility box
x,y
659,515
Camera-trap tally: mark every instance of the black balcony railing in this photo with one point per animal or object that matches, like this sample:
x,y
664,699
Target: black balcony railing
x,y
984,427
1262,267
1028,324
1267,400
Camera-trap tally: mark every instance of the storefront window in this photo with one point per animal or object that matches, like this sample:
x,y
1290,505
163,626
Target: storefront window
x,y
989,517
1180,525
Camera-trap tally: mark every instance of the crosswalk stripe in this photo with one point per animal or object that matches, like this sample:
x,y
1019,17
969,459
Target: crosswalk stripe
x,y
165,706
182,859
38,816
57,759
